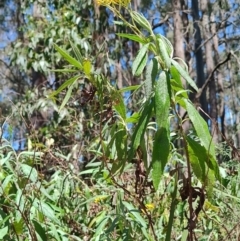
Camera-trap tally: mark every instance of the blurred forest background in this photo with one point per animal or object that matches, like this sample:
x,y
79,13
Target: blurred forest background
x,y
54,184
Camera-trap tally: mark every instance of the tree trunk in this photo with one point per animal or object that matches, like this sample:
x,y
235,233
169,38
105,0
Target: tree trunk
x,y
220,89
210,66
179,41
199,57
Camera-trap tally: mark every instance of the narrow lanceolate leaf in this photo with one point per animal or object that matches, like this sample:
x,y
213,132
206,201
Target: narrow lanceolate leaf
x,y
184,74
133,37
129,88
87,67
67,97
151,73
167,44
164,53
200,165
67,57
161,148
118,104
141,20
162,100
141,60
121,143
40,230
161,144
76,51
64,86
176,84
198,156
140,128
203,134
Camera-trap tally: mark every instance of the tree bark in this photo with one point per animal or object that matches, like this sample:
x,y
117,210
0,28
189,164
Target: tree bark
x,y
210,66
199,57
179,41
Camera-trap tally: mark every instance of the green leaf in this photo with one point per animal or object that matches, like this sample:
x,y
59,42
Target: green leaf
x,y
119,105
46,210
40,230
198,157
67,57
7,184
64,70
172,212
140,61
3,232
67,97
135,213
151,73
87,67
76,52
167,45
18,226
140,128
67,83
210,182
161,148
121,143
141,20
133,118
184,235
184,74
29,172
161,144
130,88
176,76
176,83
164,54
203,134
133,37
162,99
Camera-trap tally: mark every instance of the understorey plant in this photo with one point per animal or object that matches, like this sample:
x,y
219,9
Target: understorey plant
x,y
148,154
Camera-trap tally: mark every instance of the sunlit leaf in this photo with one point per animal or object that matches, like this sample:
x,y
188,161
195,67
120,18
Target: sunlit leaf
x,y
151,74
161,146
164,54
135,212
184,74
130,88
66,84
67,97
162,99
19,226
133,37
141,20
29,172
87,67
67,57
3,232
140,61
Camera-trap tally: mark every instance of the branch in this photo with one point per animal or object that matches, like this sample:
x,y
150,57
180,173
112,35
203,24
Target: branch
x,y
161,22
211,75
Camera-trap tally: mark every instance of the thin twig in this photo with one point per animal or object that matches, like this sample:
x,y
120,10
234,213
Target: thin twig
x,y
160,23
211,75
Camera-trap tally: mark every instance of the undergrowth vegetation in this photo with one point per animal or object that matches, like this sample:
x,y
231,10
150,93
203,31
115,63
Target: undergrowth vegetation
x,y
141,176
